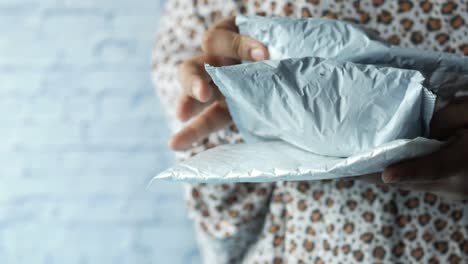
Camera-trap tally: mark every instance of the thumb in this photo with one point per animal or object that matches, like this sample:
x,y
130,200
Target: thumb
x,y
441,164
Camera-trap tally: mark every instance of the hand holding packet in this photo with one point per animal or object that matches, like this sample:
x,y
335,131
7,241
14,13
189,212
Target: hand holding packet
x,y
306,117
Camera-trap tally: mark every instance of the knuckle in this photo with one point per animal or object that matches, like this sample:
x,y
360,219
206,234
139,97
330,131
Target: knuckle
x,y
207,40
220,107
237,44
220,113
194,132
210,123
190,132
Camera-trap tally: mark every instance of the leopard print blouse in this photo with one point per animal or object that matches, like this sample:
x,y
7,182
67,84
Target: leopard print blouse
x,y
337,221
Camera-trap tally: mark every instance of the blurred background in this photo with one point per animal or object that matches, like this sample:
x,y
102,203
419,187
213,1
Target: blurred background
x,y
82,133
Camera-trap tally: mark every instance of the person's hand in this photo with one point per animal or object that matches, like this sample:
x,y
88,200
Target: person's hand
x,y
444,172
201,101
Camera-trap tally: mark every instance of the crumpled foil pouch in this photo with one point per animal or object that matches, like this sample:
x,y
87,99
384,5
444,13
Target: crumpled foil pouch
x,y
321,111
444,73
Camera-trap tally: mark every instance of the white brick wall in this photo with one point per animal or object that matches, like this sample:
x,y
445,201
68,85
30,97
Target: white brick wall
x,y
81,134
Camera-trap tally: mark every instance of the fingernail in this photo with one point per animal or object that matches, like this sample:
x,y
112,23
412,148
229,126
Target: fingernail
x,y
257,54
197,89
207,96
388,177
170,143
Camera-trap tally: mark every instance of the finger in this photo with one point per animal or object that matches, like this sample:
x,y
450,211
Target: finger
x,y
441,164
224,40
220,42
194,80
420,187
453,187
189,107
212,119
373,178
450,118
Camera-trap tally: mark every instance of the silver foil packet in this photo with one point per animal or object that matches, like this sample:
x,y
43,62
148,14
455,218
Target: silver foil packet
x,y
326,107
444,73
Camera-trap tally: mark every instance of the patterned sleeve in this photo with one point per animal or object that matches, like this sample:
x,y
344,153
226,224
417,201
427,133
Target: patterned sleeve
x,y
227,217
